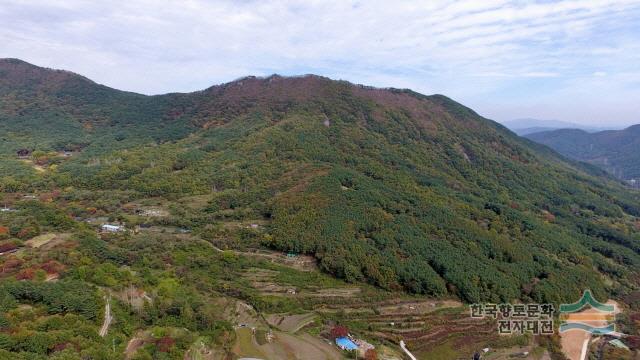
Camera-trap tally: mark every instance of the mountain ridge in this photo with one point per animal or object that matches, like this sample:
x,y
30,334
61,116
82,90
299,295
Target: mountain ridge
x,y
385,186
615,151
526,126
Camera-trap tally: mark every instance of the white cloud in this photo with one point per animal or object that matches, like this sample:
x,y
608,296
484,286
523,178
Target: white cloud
x,y
511,51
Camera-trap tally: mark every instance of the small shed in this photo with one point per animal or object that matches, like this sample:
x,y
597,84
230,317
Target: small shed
x,y
345,343
112,228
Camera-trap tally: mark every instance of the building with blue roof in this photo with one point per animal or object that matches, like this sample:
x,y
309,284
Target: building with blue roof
x,y
345,343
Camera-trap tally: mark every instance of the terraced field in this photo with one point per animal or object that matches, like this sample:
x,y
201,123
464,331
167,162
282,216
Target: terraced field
x,y
267,282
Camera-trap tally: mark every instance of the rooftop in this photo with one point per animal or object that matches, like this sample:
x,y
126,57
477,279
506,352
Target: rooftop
x,y
346,343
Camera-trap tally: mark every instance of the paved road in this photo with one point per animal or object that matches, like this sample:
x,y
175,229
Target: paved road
x,y
404,348
107,319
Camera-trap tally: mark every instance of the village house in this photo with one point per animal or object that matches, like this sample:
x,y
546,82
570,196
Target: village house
x,y
345,343
112,228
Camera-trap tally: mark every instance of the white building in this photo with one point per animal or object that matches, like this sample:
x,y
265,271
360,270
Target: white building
x,y
112,228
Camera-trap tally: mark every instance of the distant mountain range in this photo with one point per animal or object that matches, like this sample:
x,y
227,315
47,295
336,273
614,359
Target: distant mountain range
x,y
616,151
527,126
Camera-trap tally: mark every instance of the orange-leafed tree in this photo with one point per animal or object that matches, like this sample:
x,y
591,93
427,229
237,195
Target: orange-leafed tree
x,y
52,267
26,274
370,354
11,264
4,232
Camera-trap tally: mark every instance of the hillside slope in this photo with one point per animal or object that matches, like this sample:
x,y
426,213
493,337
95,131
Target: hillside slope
x,y
616,151
385,186
55,109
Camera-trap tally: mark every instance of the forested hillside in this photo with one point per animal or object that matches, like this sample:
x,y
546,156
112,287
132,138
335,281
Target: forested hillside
x,y
616,151
383,186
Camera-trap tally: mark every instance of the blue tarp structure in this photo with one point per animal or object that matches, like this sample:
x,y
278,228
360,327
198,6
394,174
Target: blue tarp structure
x,y
346,343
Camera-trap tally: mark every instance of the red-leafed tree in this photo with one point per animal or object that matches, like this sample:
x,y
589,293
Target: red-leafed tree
x,y
371,354
165,343
26,274
8,246
27,232
60,346
11,264
52,267
633,342
339,331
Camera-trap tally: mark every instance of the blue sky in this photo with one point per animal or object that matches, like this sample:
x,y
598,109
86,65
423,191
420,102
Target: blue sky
x,y
572,60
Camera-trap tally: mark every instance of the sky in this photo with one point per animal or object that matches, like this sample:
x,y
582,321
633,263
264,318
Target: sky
x,y
569,60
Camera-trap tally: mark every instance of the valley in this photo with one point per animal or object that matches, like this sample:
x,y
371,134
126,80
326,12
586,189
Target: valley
x,y
615,151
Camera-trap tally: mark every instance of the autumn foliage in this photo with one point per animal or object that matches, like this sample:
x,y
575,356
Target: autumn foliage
x,y
4,232
371,354
339,331
52,267
7,246
165,343
26,274
11,264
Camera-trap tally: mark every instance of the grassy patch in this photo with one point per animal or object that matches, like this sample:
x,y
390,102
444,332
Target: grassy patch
x,y
244,344
440,352
38,241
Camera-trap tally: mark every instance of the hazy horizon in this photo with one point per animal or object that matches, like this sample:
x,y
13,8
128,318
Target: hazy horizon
x,y
574,61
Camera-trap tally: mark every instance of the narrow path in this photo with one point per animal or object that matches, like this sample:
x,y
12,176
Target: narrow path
x,y
404,348
585,347
107,319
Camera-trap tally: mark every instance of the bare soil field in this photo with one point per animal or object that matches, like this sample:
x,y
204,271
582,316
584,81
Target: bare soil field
x,y
290,323
265,281
134,344
284,344
417,307
303,347
298,262
246,345
45,239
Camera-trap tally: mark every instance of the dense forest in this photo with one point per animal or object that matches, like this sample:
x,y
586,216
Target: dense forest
x,y
383,186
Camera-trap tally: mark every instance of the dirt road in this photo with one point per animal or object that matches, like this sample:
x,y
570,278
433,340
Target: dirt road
x,y
107,319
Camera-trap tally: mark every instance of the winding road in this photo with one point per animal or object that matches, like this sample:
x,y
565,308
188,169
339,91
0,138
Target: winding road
x,y
107,319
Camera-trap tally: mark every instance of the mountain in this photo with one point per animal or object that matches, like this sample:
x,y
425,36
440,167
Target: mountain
x,y
382,186
527,126
61,109
616,151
